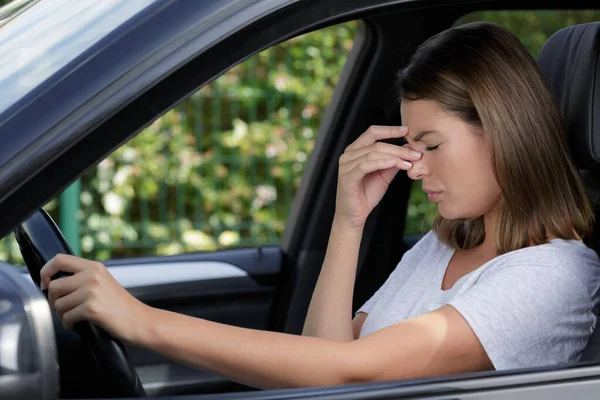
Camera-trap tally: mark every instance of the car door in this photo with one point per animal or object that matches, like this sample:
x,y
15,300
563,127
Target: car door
x,y
189,214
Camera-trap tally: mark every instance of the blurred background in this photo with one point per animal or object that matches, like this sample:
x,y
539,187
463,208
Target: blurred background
x,y
220,170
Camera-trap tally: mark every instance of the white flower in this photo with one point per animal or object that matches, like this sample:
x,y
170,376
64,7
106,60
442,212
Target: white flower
x,y
307,133
103,238
197,239
113,203
87,243
122,174
301,156
228,238
313,51
266,193
280,83
129,154
271,151
86,198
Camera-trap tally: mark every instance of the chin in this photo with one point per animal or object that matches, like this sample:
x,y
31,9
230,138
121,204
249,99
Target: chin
x,y
451,214
447,213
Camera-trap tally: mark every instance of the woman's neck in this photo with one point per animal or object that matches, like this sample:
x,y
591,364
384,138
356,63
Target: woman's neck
x,y
489,245
489,224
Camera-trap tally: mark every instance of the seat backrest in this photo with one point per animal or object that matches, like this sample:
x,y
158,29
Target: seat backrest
x,y
569,59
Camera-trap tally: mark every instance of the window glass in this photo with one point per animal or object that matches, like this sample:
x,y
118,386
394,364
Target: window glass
x,y
217,171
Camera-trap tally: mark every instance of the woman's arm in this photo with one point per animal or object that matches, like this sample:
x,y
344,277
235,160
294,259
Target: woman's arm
x,y
330,311
366,169
437,343
434,344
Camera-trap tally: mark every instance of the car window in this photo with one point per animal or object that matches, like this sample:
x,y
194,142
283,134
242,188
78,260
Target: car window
x,y
51,33
219,170
533,28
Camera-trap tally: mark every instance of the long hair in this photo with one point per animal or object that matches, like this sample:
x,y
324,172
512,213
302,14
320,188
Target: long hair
x,y
482,73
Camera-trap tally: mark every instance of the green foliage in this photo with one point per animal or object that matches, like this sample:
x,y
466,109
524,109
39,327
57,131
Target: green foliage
x,y
221,169
534,27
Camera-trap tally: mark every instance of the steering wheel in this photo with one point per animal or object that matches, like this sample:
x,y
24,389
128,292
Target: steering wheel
x,y
39,240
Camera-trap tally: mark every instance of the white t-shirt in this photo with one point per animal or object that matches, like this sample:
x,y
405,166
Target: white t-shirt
x,y
534,306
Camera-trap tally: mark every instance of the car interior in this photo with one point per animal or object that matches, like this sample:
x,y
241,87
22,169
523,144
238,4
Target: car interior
x,y
270,287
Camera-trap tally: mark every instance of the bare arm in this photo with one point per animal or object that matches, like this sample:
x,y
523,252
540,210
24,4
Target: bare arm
x,y
366,169
330,312
433,344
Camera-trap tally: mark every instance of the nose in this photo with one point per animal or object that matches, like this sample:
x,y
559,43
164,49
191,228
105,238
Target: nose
x,y
419,170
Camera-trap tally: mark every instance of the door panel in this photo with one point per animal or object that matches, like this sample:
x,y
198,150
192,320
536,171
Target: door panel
x,y
234,287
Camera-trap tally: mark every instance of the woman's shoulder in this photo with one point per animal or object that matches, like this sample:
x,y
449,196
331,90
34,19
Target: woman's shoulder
x,y
571,258
556,252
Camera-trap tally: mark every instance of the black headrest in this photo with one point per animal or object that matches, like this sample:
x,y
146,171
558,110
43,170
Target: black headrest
x,y
569,59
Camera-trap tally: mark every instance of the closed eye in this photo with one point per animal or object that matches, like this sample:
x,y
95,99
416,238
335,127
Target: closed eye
x,y
431,148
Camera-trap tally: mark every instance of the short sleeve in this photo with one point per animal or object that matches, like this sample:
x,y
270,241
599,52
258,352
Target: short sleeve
x,y
526,316
366,308
396,277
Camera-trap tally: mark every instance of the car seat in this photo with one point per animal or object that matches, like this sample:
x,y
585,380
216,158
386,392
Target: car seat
x,y
570,61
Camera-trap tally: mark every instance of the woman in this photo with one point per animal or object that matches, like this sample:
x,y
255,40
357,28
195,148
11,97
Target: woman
x,y
502,280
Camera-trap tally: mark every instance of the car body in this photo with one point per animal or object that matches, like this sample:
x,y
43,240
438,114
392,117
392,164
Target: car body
x,y
67,118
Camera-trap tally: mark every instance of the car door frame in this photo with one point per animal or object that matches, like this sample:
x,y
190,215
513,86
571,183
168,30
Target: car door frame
x,y
84,136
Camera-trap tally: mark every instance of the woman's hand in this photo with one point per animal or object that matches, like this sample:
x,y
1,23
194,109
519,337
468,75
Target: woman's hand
x,y
366,170
92,294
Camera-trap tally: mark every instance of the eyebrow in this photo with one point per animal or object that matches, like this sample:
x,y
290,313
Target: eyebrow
x,y
420,136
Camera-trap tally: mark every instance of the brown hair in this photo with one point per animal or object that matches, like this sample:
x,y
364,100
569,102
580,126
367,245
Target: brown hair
x,y
484,74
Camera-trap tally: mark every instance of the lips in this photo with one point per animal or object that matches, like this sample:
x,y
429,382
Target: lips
x,y
432,195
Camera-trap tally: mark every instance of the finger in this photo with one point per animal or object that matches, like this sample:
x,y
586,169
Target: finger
x,y
375,160
403,152
75,315
60,262
368,166
70,301
64,286
377,132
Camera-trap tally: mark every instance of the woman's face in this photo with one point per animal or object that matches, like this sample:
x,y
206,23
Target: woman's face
x,y
456,162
